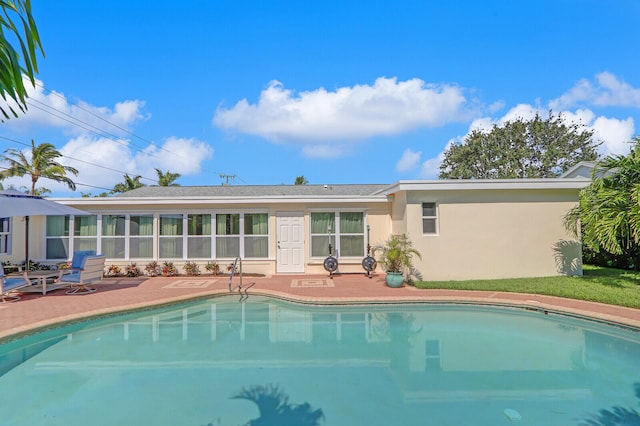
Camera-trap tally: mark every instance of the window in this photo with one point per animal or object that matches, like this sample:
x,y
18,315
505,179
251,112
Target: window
x,y
113,236
85,233
57,245
429,218
344,230
199,236
228,235
323,226
170,239
141,237
5,233
351,234
256,235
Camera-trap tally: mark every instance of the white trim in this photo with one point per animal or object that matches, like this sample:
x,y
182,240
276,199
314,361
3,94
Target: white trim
x,y
484,184
186,201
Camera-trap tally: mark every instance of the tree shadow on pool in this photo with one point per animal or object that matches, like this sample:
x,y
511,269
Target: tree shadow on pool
x,y
275,409
616,415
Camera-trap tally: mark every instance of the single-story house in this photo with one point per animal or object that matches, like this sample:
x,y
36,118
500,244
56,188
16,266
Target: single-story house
x,y
464,229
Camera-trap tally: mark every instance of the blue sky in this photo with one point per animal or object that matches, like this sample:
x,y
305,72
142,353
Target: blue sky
x,y
336,91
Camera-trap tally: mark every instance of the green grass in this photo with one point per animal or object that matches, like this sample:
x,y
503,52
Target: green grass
x,y
605,285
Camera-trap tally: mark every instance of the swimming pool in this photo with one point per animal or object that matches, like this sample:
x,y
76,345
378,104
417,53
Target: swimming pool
x,y
269,362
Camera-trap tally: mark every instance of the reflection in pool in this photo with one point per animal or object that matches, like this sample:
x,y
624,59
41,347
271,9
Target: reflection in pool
x,y
267,362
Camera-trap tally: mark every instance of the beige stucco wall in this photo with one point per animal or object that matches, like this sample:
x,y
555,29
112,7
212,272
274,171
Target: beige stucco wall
x,y
494,234
482,233
376,216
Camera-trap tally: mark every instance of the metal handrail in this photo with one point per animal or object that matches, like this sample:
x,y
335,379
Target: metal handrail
x,y
233,271
240,287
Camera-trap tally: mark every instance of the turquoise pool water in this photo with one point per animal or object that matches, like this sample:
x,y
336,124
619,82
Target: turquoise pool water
x,y
268,362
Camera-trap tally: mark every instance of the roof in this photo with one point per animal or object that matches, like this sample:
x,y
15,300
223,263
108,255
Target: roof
x,y
149,196
249,191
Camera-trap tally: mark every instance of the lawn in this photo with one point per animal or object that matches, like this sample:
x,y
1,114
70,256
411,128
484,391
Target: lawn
x,y
605,285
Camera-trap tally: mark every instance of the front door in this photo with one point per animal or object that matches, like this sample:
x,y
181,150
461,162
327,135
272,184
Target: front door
x,y
290,235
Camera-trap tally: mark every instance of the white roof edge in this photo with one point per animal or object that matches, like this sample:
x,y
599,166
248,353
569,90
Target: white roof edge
x,y
484,184
106,201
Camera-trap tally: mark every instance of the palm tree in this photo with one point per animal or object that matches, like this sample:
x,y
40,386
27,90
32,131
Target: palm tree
x,y
167,178
301,180
609,209
43,164
129,184
14,64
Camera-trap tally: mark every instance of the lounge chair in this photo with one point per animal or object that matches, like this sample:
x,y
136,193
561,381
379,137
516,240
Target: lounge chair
x,y
9,284
91,270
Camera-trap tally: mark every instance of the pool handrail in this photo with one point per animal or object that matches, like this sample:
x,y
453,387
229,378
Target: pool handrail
x,y
237,266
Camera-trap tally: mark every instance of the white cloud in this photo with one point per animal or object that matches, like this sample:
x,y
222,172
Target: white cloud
x,y
102,162
53,109
178,155
408,161
348,114
615,134
520,111
430,169
607,90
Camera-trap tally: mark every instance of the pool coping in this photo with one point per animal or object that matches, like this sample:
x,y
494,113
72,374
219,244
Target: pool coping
x,y
37,312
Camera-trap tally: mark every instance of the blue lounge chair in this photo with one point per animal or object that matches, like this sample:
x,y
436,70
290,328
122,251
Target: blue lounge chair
x,y
9,284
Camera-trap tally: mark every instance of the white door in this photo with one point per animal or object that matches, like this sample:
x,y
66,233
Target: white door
x,y
290,235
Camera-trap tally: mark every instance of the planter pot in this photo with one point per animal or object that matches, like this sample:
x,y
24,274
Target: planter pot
x,y
395,279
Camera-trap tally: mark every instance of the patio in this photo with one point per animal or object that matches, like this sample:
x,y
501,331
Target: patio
x,y
119,294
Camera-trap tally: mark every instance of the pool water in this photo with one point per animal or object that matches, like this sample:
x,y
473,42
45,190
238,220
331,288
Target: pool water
x,y
269,362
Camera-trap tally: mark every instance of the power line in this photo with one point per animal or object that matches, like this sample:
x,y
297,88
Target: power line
x,y
98,131
79,160
112,124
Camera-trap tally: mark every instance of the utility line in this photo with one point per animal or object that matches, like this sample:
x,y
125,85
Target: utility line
x,y
54,93
79,160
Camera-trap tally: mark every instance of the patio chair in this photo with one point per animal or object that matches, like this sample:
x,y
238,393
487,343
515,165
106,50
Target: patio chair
x,y
76,263
90,271
78,258
9,284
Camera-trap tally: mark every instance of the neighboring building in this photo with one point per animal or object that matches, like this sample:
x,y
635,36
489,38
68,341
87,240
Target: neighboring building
x,y
465,229
583,169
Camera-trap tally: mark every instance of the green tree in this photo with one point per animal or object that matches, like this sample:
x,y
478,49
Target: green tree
x,y
608,215
129,183
167,178
301,180
536,148
18,26
43,164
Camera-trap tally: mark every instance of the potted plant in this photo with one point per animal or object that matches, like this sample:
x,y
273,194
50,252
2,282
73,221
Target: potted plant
x,y
396,258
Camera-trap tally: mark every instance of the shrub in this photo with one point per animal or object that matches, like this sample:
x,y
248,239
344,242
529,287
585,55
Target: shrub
x,y
114,270
169,269
133,270
153,269
213,267
191,268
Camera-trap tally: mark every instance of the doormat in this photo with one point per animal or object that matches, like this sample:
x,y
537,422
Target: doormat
x,y
190,284
311,283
